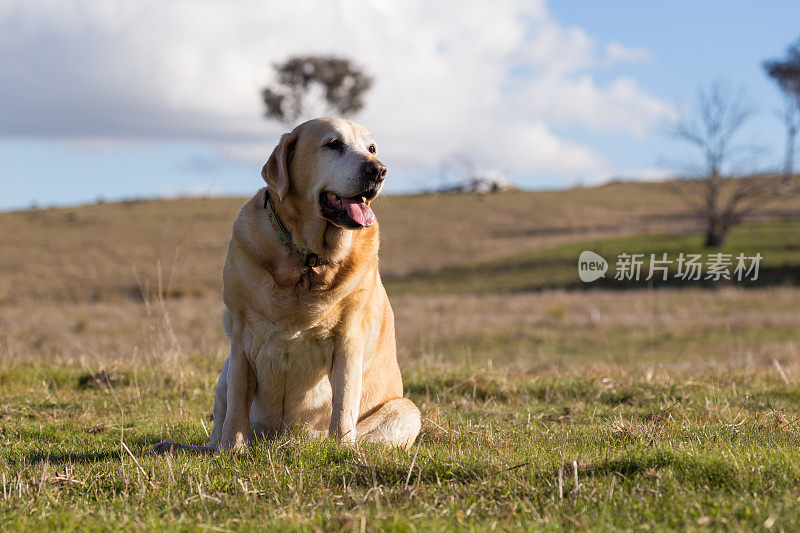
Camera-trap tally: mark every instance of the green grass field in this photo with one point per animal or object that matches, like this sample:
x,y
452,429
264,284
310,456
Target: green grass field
x,y
547,403
601,448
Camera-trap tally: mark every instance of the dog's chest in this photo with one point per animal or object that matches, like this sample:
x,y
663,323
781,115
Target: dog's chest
x,y
292,377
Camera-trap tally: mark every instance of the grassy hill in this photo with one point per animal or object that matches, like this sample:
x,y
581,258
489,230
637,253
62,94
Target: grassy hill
x,y
97,252
555,266
547,403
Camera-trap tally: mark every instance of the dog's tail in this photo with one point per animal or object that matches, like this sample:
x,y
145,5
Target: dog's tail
x,y
227,322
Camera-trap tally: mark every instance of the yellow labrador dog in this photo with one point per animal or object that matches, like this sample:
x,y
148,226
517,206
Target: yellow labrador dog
x,y
311,328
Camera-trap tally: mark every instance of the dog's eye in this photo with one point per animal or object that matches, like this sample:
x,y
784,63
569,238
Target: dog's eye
x,y
334,144
372,149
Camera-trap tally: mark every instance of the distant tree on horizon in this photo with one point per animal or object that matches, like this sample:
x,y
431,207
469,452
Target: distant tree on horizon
x,y
720,194
306,86
786,73
459,173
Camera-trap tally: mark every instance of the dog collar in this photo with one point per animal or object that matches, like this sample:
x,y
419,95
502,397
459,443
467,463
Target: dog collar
x,y
308,258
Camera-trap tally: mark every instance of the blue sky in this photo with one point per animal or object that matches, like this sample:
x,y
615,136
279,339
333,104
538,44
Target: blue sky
x,y
117,100
692,44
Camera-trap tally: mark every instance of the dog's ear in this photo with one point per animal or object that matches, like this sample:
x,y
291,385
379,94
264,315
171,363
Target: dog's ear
x,y
276,171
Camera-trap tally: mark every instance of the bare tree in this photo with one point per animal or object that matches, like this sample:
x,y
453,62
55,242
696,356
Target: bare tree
x,y
342,84
786,73
456,170
722,194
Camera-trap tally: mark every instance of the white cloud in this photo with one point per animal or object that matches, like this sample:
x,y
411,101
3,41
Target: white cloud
x,y
493,79
197,190
620,107
616,52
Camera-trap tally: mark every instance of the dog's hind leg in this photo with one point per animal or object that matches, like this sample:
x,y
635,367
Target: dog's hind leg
x,y
396,422
220,407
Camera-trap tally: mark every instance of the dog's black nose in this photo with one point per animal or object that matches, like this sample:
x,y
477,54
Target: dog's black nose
x,y
375,171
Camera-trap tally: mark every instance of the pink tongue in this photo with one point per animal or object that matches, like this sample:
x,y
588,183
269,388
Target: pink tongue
x,y
359,211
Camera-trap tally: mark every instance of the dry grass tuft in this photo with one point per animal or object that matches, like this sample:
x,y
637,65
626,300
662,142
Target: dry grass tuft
x,y
780,422
661,417
101,379
434,427
624,430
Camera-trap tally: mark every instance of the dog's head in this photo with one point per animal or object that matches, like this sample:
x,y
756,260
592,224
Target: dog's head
x,y
328,166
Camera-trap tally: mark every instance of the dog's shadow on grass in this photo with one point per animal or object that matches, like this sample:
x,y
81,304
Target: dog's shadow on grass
x,y
71,457
138,445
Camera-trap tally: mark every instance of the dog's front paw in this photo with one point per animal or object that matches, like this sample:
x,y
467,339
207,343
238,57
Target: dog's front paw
x,y
235,445
347,438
